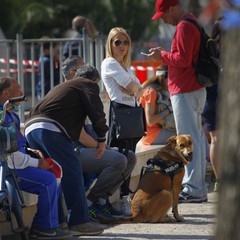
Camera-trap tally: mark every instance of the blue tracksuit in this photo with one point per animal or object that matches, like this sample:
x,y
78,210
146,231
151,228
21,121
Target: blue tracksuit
x,y
37,181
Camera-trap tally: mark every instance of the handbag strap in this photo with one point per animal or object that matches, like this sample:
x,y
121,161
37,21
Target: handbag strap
x,y
137,104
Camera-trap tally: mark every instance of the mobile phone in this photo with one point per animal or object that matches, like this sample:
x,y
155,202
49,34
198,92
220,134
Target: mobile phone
x,y
146,54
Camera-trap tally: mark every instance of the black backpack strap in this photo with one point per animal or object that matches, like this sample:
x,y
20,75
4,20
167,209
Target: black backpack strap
x,y
200,29
195,23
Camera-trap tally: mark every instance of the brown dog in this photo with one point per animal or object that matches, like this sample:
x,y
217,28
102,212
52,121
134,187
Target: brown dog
x,y
159,187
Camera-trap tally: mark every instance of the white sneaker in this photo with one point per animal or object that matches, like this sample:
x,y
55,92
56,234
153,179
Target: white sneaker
x,y
125,205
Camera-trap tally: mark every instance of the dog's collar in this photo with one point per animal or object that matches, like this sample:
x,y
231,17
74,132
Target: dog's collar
x,y
166,167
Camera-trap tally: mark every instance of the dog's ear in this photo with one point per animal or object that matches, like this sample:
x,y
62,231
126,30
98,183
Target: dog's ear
x,y
172,140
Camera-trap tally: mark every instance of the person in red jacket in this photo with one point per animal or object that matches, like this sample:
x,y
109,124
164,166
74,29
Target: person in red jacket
x,y
187,95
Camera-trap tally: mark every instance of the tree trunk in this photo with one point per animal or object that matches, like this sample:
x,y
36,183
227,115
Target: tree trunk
x,y
228,214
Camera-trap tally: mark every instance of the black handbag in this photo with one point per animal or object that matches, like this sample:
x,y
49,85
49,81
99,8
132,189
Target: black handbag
x,y
129,122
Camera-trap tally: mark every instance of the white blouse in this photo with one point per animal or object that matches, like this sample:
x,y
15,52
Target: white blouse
x,y
113,76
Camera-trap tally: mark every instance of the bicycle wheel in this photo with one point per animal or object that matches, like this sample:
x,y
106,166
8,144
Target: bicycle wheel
x,y
16,208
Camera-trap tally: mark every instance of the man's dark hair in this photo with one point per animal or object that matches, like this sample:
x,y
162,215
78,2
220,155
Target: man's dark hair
x,y
46,45
88,71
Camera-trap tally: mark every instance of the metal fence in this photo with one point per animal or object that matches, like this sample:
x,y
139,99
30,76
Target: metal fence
x,y
19,58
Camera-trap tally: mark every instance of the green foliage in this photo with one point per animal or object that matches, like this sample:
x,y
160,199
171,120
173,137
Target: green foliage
x,y
9,17
35,18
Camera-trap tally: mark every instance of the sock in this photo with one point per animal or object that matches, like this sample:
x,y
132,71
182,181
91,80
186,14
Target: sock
x,y
89,203
102,201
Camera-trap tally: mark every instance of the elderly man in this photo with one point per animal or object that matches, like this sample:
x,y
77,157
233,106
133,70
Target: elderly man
x,y
187,95
32,173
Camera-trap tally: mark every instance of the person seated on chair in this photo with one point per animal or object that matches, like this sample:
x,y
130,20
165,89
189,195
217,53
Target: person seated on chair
x,y
158,110
111,169
32,172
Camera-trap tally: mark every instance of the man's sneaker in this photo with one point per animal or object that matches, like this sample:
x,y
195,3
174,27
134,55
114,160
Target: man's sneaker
x,y
52,233
95,211
216,186
186,198
209,168
110,210
125,205
86,229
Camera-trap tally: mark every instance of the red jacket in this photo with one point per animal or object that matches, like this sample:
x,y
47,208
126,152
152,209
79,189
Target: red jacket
x,y
185,49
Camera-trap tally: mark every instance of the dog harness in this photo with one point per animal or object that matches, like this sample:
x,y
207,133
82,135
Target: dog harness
x,y
169,168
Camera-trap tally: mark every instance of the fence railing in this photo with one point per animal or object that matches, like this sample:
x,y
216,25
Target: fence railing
x,y
19,58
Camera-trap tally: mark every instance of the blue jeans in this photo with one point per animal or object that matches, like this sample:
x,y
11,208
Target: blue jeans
x,y
44,184
56,146
187,109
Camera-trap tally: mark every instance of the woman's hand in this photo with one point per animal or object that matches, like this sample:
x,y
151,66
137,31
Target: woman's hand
x,y
139,92
124,90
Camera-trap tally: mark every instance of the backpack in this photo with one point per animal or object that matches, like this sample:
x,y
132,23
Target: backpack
x,y
208,67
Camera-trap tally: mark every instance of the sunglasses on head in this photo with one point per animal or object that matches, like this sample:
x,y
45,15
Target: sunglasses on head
x,y
162,73
118,43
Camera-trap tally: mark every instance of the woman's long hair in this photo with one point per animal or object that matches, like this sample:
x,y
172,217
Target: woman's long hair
x,y
113,32
155,79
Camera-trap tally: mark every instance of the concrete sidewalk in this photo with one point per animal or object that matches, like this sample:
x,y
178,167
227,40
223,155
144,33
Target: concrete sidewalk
x,y
200,219
199,225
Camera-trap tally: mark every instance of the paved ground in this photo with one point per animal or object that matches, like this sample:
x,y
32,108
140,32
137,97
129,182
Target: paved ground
x,y
199,225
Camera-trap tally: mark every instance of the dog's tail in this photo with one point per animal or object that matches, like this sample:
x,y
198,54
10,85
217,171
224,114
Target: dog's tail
x,y
115,220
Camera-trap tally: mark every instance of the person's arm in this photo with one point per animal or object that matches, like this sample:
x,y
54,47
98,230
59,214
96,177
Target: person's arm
x,y
139,93
150,98
87,140
185,42
134,89
128,83
90,142
151,117
93,106
21,160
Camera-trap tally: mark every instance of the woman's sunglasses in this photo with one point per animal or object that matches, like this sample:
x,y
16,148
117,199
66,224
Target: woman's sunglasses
x,y
118,43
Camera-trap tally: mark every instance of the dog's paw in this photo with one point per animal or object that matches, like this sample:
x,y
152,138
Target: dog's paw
x,y
167,219
179,218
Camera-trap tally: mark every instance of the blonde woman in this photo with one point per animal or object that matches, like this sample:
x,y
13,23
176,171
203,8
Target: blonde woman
x,y
122,86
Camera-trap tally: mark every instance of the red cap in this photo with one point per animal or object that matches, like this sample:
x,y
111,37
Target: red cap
x,y
162,6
